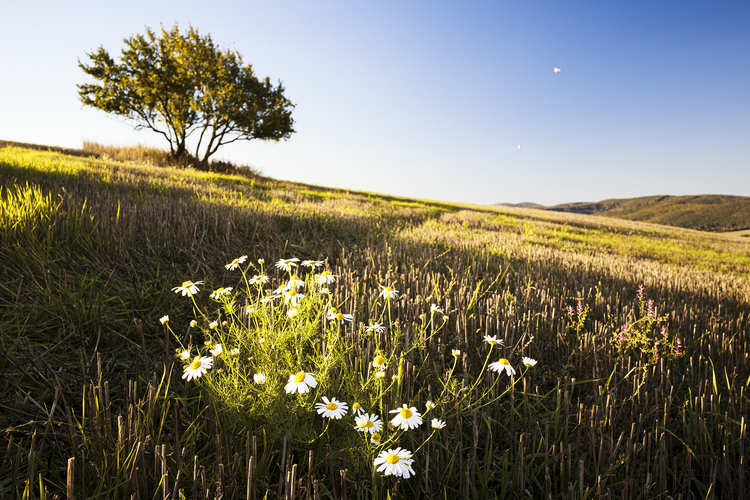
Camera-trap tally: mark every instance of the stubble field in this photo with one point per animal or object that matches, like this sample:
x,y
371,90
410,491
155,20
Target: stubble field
x,y
94,404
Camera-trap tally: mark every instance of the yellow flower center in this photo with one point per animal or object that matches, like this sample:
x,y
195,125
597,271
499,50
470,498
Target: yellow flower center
x,y
332,406
379,360
503,361
295,278
492,342
292,293
196,364
339,316
356,406
375,436
406,413
325,273
369,424
299,377
392,458
186,284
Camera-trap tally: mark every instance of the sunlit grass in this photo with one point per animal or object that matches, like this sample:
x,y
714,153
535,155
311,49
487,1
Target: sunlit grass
x,y
91,249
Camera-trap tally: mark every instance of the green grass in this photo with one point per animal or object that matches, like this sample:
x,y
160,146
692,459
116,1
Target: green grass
x,y
91,248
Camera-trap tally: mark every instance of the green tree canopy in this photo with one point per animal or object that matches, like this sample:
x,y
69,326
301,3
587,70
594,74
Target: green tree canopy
x,y
182,84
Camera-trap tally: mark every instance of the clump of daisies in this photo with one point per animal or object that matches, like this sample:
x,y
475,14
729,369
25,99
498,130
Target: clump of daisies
x,y
279,350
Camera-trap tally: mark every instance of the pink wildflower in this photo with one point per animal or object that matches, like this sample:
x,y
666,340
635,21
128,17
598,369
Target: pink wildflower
x,y
640,291
650,307
570,310
579,308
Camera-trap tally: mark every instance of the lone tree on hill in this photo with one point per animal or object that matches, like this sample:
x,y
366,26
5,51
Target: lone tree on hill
x,y
178,84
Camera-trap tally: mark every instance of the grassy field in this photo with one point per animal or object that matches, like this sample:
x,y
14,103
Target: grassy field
x,y
94,406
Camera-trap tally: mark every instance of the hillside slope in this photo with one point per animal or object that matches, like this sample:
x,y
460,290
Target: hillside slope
x,y
716,213
93,251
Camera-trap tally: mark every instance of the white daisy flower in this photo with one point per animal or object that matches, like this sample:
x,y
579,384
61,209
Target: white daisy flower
x,y
258,279
437,424
293,296
220,292
164,320
492,340
528,361
429,405
198,367
212,325
185,355
295,282
193,324
379,362
234,352
259,378
216,350
287,264
435,309
379,374
312,263
332,409
188,288
292,313
375,438
300,382
388,293
368,423
333,315
395,462
324,291
261,261
502,365
236,263
357,408
375,327
456,353
325,278
407,418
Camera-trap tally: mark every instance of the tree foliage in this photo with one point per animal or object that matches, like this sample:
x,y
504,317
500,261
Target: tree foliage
x,y
183,84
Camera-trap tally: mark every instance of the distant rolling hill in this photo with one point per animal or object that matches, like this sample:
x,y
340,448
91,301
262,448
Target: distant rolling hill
x,y
716,213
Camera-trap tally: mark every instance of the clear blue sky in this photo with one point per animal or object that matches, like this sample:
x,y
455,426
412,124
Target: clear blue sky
x,y
430,99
